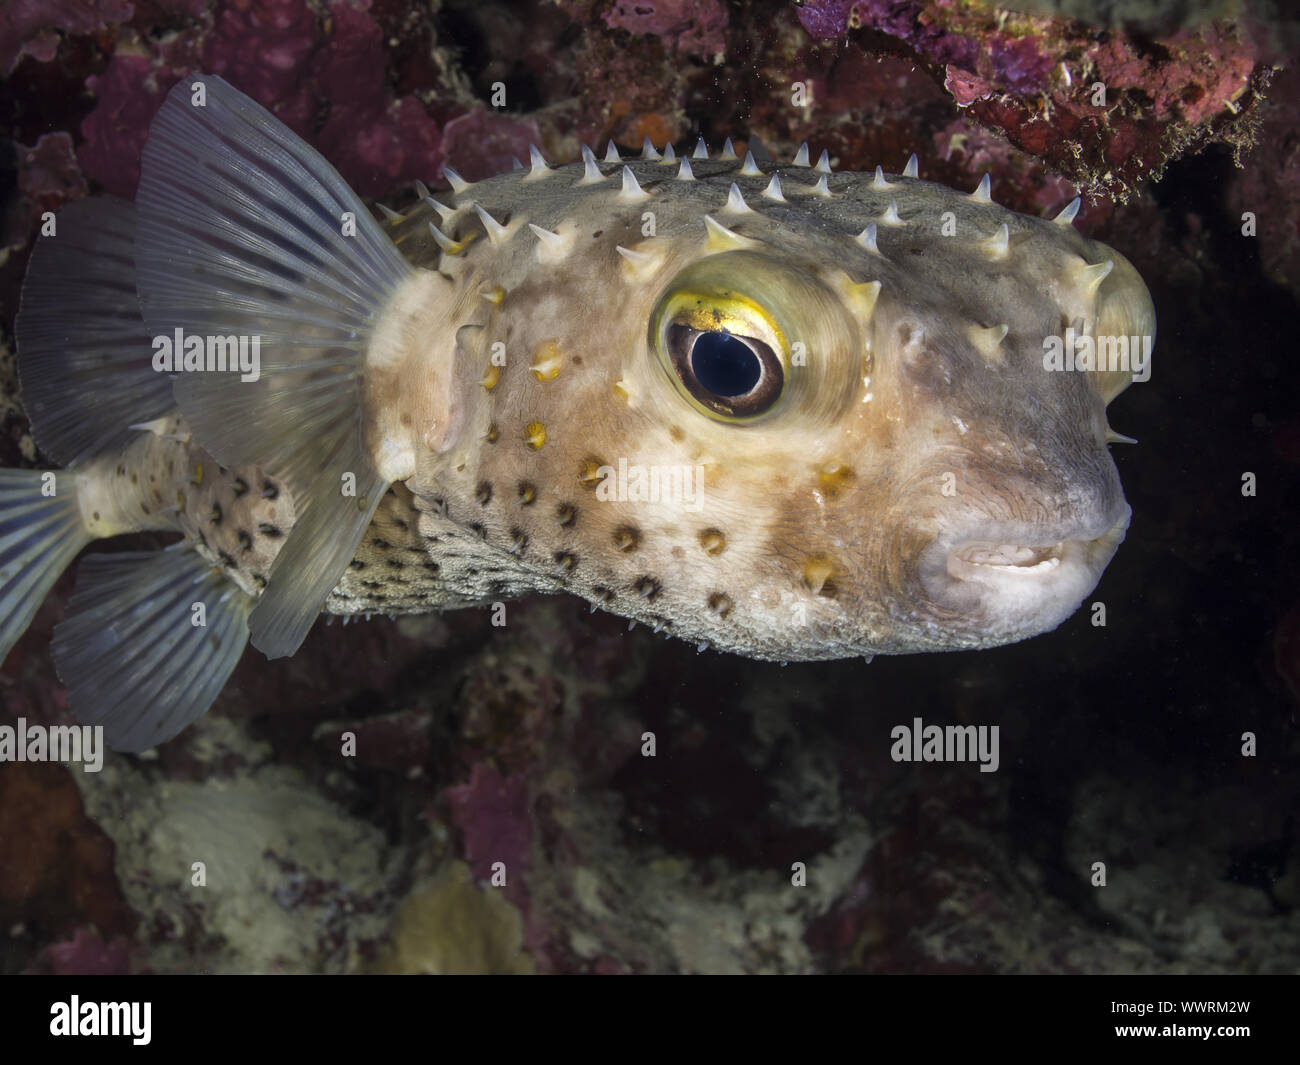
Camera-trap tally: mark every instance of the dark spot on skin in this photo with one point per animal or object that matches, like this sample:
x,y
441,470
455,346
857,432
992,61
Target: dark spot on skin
x,y
157,496
259,580
95,515
483,493
627,538
472,572
566,514
527,493
144,508
135,479
222,470
239,486
371,584
406,418
479,530
603,594
577,360
713,541
270,491
596,235
432,567
565,561
267,529
245,541
676,434
379,597
121,471
518,541
647,588
202,539
357,564
720,604
493,434
380,543
395,563
402,524
214,515
226,559
153,479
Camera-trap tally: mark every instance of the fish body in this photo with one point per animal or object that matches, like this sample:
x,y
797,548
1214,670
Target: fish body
x,y
789,413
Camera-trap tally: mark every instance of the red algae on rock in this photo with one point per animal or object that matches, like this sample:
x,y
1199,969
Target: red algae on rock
x,y
1105,108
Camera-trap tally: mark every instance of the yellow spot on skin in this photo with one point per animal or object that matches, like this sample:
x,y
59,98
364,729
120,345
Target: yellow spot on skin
x,y
491,378
621,390
589,472
493,434
198,474
988,342
547,361
495,295
816,573
535,435
834,478
713,541
862,298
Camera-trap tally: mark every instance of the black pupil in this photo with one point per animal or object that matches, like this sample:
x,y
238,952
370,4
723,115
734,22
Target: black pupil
x,y
724,365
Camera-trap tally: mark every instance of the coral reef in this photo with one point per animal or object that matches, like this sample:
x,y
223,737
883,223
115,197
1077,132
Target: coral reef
x,y
1107,110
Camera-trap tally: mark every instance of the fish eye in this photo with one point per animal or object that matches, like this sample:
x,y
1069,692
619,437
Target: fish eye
x,y
731,374
723,350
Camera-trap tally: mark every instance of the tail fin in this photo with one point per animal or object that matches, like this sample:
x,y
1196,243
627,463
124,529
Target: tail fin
x,y
41,532
148,641
245,229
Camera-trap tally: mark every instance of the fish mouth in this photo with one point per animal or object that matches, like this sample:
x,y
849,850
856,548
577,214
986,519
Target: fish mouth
x,y
1016,579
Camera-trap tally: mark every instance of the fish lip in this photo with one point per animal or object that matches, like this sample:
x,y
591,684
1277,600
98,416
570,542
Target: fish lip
x,y
1021,578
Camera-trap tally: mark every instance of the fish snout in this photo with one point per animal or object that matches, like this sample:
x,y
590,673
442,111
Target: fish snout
x,y
1015,579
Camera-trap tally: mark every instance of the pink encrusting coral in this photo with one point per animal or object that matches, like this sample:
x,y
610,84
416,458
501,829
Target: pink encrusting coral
x,y
694,26
1107,109
86,954
297,61
35,27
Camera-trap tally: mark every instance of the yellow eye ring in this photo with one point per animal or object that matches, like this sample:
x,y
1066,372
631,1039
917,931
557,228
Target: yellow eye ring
x,y
724,351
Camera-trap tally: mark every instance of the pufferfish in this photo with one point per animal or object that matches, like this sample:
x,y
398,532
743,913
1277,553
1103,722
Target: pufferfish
x,y
789,413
